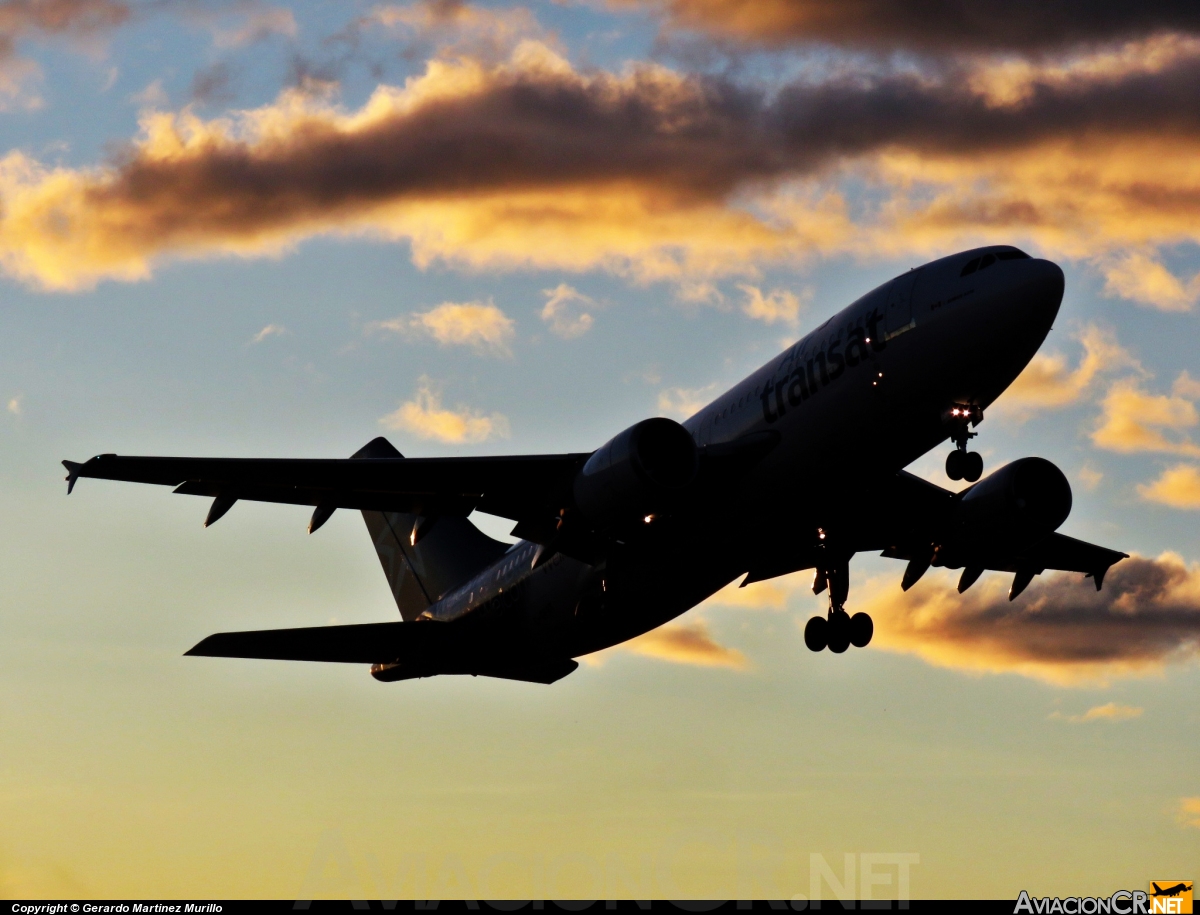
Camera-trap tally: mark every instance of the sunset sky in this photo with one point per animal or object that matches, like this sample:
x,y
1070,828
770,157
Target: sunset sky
x,y
244,229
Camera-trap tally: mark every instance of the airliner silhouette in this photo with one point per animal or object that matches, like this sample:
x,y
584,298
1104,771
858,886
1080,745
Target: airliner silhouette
x,y
798,466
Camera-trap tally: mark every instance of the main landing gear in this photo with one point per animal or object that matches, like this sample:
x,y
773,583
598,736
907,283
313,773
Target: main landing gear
x,y
838,630
962,464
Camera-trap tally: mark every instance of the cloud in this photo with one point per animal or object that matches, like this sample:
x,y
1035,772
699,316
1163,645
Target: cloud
x,y
479,325
1048,382
153,96
1142,279
948,26
650,173
680,403
1189,811
772,594
779,305
425,417
1090,477
453,28
686,643
29,19
564,312
1110,711
1061,630
249,25
1132,420
271,330
1178,487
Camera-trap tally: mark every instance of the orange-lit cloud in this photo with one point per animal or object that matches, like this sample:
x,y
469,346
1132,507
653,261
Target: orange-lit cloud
x,y
479,325
425,417
1110,711
772,594
779,305
651,173
1133,420
686,643
453,28
564,311
1140,278
1049,381
1189,811
1061,630
953,25
1178,487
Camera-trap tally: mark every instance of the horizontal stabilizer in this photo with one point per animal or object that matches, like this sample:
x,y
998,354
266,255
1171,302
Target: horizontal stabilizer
x,y
368,643
395,651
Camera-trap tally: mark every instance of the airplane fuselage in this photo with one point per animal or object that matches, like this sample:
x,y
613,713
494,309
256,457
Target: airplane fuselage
x,y
853,401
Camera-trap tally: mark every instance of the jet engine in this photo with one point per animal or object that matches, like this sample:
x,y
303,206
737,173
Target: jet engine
x,y
636,473
1013,508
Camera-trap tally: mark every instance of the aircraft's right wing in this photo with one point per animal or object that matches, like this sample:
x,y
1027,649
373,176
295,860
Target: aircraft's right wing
x,y
515,487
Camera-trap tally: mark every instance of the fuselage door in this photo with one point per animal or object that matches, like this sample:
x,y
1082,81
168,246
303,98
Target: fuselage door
x,y
900,296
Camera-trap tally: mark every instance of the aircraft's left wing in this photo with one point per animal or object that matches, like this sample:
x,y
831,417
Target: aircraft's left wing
x,y
513,487
916,509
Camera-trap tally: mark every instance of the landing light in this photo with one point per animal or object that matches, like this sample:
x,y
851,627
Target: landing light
x,y
648,519
821,533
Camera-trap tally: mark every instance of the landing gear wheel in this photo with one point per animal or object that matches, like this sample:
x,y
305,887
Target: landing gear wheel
x,y
972,466
816,633
861,630
954,464
839,632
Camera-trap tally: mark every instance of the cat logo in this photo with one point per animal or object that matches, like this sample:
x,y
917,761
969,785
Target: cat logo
x,y
1171,896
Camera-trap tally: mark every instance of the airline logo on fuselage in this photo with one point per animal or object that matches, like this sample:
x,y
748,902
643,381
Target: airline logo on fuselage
x,y
822,368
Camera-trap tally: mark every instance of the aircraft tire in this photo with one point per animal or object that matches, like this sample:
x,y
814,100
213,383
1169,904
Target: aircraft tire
x,y
816,633
954,465
862,627
839,632
972,466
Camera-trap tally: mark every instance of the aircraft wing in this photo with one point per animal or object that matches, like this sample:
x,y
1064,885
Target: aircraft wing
x,y
514,487
916,509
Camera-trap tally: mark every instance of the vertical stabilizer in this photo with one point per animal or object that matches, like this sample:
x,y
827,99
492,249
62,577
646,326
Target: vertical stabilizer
x,y
449,549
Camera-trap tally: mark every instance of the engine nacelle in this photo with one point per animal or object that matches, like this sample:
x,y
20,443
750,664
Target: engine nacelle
x,y
1013,508
636,473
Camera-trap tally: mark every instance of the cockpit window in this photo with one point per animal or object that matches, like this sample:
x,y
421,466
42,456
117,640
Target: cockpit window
x,y
982,263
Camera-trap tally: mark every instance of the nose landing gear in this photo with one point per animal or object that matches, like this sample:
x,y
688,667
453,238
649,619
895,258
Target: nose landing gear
x,y
838,630
962,464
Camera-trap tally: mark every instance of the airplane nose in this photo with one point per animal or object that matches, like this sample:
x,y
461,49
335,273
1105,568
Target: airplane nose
x,y
1037,291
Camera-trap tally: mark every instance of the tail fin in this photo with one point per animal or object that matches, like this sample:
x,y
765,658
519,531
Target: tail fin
x,y
449,551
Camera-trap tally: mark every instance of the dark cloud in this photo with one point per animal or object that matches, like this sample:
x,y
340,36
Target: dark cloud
x,y
930,25
213,85
670,143
71,18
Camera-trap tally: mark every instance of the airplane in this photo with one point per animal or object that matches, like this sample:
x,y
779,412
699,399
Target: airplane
x,y
798,466
1170,890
